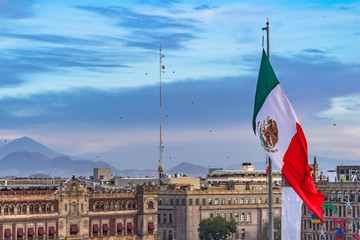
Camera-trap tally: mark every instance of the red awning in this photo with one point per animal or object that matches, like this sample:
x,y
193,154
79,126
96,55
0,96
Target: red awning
x,y
31,232
41,231
120,227
20,232
151,226
130,226
105,227
95,228
74,228
8,233
52,230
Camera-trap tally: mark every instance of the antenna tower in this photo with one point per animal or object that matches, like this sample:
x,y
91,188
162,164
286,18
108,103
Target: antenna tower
x,y
160,165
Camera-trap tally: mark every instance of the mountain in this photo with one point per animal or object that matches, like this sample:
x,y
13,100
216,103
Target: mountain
x,y
189,169
26,144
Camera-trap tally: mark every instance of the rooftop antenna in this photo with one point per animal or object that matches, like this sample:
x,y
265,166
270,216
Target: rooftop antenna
x,y
160,165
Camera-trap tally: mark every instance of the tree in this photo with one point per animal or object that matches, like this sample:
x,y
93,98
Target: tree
x,y
217,228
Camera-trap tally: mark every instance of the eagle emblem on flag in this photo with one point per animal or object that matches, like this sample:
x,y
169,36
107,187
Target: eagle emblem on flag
x,y
269,134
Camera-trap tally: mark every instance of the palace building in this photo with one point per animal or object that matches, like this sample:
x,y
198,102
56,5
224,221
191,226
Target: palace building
x,y
76,211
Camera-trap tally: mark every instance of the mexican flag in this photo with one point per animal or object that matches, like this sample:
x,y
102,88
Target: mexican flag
x,y
276,126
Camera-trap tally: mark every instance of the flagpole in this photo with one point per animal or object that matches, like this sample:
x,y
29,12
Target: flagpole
x,y
271,217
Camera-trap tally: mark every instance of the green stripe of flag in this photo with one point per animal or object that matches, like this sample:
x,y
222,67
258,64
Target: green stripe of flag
x,y
267,81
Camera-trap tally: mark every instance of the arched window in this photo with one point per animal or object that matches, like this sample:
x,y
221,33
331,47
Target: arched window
x,y
128,205
6,210
102,206
12,207
112,206
48,208
107,206
43,207
332,196
36,210
31,209
160,202
97,207
150,205
338,196
346,195
352,196
24,209
123,205
118,205
326,195
18,209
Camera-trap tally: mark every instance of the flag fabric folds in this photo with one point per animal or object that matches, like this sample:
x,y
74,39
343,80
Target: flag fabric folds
x,y
276,126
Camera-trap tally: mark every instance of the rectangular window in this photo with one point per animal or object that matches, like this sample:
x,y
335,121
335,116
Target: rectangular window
x,y
259,200
243,233
218,214
224,215
183,202
253,188
171,202
229,201
241,201
223,201
166,201
253,200
242,219
237,217
197,202
230,215
159,217
211,215
277,200
190,202
248,219
216,201
247,200
170,218
164,234
177,202
164,218
204,201
265,200
210,201
235,201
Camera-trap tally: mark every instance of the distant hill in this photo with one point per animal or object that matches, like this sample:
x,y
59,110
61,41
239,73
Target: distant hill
x,y
189,169
26,144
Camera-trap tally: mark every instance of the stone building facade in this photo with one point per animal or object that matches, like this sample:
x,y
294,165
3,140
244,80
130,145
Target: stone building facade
x,y
180,210
341,209
78,212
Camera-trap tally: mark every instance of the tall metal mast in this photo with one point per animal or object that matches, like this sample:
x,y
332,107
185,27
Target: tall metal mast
x,y
160,165
271,216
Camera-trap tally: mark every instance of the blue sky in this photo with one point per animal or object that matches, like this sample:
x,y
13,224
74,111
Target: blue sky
x,y
70,69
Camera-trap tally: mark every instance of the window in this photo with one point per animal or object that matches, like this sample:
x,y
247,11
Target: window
x,y
150,205
229,201
259,200
247,200
204,201
190,202
73,208
65,207
216,201
253,200
197,202
352,196
171,202
166,201
18,209
48,208
211,215
183,202
242,219
11,209
237,217
164,234
338,196
224,215
210,201
253,188
159,217
24,209
160,202
235,201
332,195
43,208
170,218
248,219
230,215
170,235
241,201
177,202
164,218
265,200
243,233
346,195
223,201
218,214
277,200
